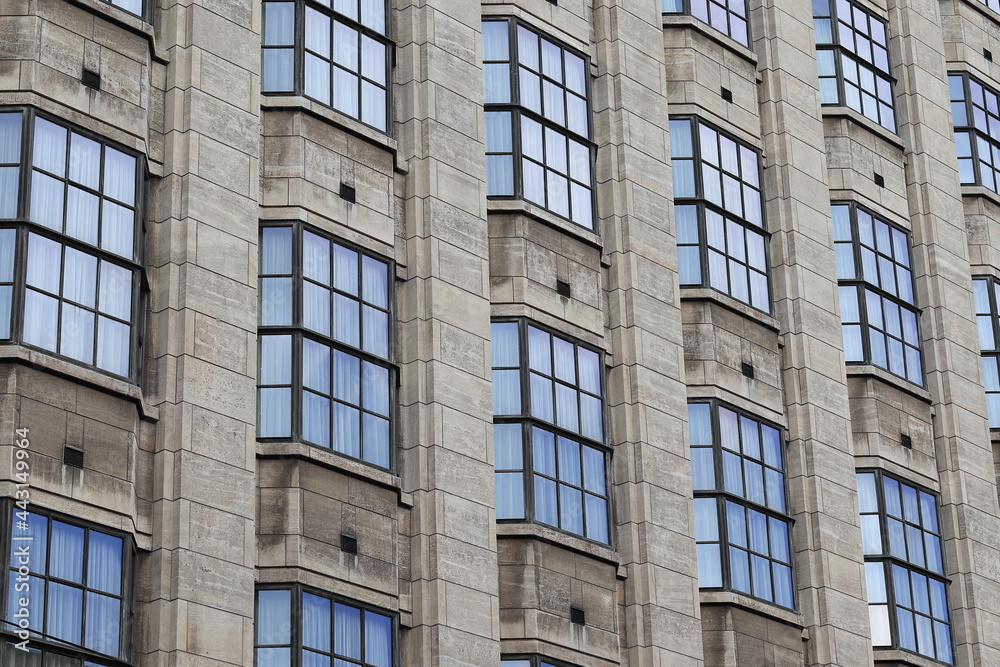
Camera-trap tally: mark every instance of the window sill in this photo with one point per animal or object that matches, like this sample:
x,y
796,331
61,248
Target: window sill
x,y
580,545
334,461
125,19
82,374
870,370
733,599
271,102
893,656
980,191
499,206
728,302
681,21
849,114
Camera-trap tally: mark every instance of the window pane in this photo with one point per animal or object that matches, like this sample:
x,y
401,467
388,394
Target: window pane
x,y
315,622
378,640
81,215
80,277
275,413
510,495
104,619
104,564
47,201
709,566
315,419
41,317
49,148
64,617
347,631
273,617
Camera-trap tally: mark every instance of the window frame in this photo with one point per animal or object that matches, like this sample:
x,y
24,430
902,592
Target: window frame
x,y
974,133
840,50
295,612
516,109
299,332
701,203
723,497
24,226
862,284
536,660
526,421
993,297
687,11
299,51
128,597
888,561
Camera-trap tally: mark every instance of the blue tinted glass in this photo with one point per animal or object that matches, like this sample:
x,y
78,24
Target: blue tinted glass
x,y
378,640
347,631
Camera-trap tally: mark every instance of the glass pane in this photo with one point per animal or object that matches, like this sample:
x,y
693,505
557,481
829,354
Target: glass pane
x,y
375,388
510,495
113,346
315,366
76,338
545,501
346,430
375,440
81,215
117,229
506,392
41,317
104,564
80,277
570,509
275,413
64,617
347,378
104,622
544,453
878,616
119,176
594,477
315,419
507,447
47,201
346,320
709,566
541,397
49,147
495,44
279,23
378,640
315,622
739,566
276,359
8,190
10,138
347,631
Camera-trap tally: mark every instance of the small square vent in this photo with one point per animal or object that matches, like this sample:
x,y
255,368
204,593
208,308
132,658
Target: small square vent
x,y
727,95
747,370
348,544
73,456
577,616
91,79
348,193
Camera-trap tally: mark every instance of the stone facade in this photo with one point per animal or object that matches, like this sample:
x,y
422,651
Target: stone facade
x,y
213,510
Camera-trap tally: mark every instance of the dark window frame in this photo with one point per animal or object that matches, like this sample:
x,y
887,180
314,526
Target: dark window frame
x,y
722,497
862,284
299,50
966,106
725,5
295,592
528,422
25,226
887,560
128,596
535,659
990,355
843,51
298,332
702,204
516,110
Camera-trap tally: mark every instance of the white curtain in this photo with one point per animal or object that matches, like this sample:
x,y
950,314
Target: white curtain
x,y
378,640
80,278
347,631
117,229
116,291
119,176
47,201
316,308
85,161
81,215
316,622
41,318
316,258
276,251
103,624
113,346
274,615
50,147
104,564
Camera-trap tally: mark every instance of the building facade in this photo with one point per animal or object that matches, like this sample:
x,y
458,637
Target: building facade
x,y
533,333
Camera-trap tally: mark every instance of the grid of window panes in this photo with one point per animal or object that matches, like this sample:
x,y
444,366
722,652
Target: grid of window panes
x,y
297,627
742,527
877,306
324,361
726,16
76,274
852,51
986,292
76,592
975,110
538,144
721,240
531,661
338,55
907,592
548,432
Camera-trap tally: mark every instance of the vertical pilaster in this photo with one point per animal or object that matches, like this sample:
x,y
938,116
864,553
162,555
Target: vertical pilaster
x,y
445,403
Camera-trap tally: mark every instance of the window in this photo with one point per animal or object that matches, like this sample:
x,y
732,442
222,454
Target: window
x,y
852,52
538,143
721,240
325,368
877,305
992,4
907,591
727,16
131,6
301,627
975,110
531,661
548,431
742,525
70,208
339,57
987,298
77,591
